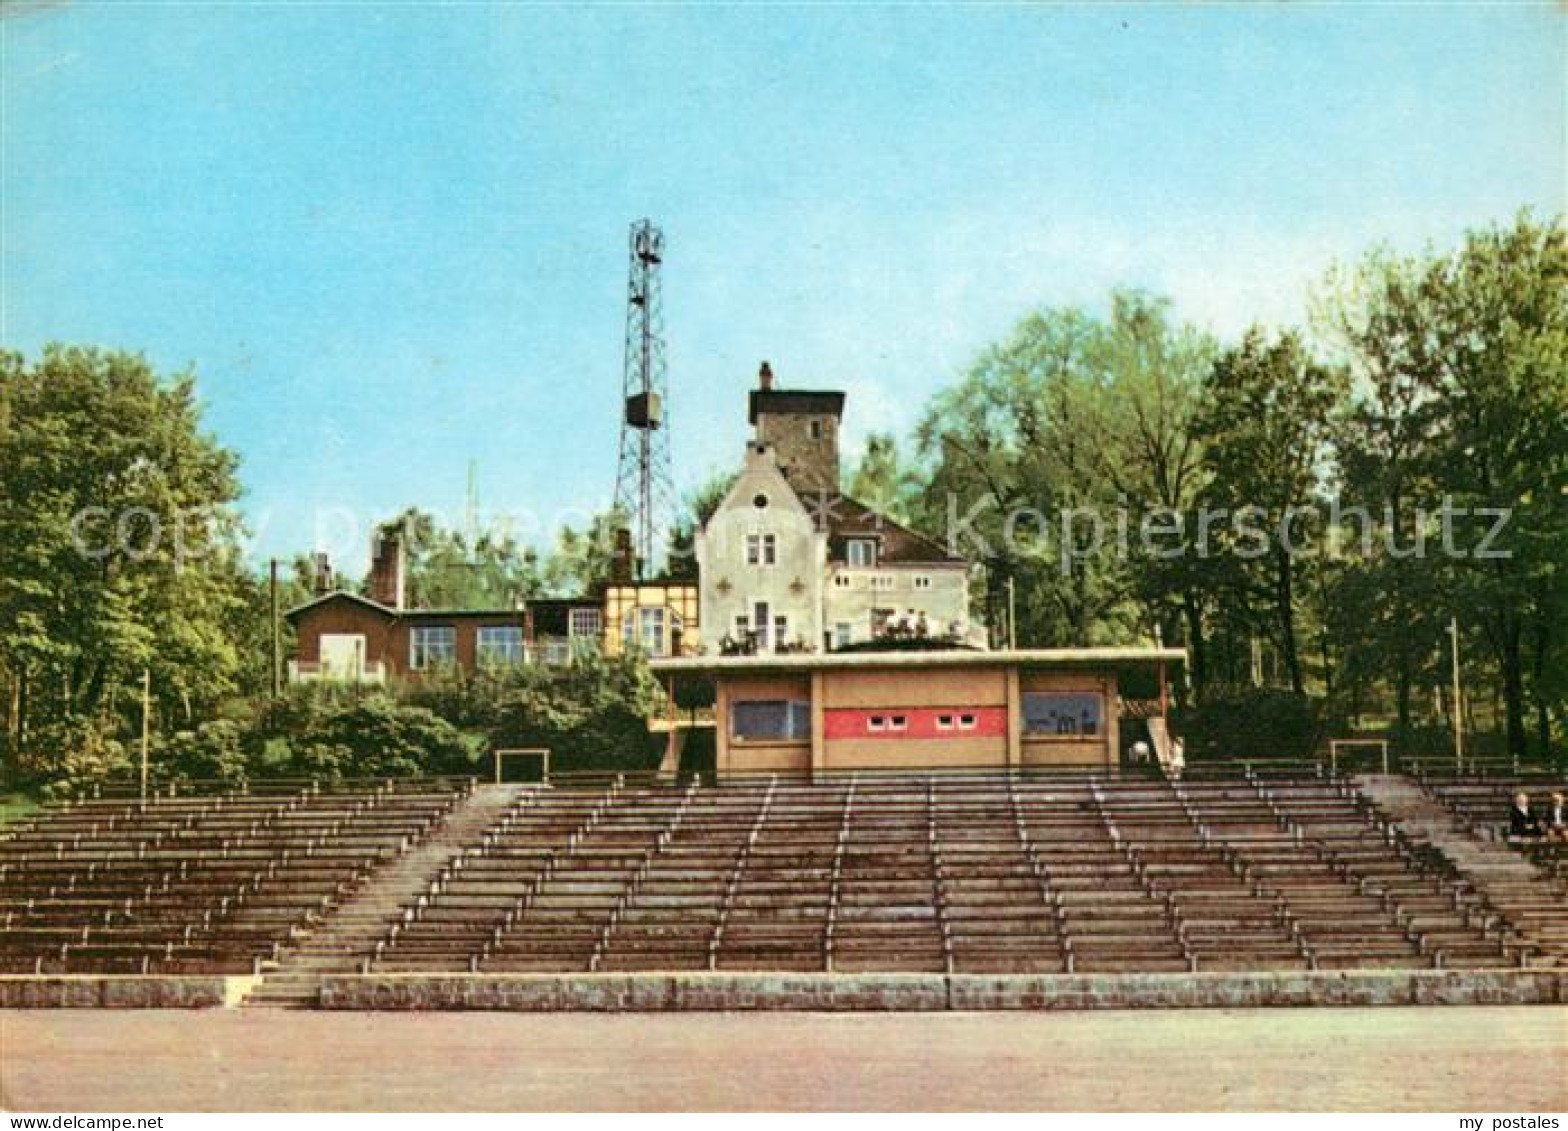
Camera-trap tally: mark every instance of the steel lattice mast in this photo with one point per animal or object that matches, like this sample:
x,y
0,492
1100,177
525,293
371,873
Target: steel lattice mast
x,y
644,482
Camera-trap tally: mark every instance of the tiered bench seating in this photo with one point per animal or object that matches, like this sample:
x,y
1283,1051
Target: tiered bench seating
x,y
956,872
1482,801
197,883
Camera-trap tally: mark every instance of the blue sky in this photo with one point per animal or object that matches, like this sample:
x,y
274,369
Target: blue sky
x,y
390,239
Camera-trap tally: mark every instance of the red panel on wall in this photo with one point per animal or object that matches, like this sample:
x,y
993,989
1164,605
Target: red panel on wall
x,y
917,722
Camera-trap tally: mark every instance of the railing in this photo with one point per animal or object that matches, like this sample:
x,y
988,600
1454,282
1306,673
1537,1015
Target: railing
x,y
316,671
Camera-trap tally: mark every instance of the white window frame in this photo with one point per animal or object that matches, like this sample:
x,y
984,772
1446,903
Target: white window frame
x,y
966,722
843,634
923,581
762,549
650,628
884,581
511,650
843,581
576,619
420,647
876,723
861,553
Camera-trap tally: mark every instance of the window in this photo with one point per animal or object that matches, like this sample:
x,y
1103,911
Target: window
x,y
898,722
842,581
843,634
944,722
430,645
762,549
770,720
816,429
1061,713
861,552
499,645
780,630
650,629
883,581
742,626
760,501
966,722
585,622
876,722
760,622
922,582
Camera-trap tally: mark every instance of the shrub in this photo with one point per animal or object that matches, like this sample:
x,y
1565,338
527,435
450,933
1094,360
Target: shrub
x,y
215,751
592,716
1255,724
378,737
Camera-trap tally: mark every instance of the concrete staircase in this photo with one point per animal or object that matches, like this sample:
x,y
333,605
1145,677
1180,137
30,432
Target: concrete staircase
x,y
1534,904
352,929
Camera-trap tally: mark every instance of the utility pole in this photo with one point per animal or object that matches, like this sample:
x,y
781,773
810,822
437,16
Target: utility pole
x,y
146,724
1458,711
1012,615
277,638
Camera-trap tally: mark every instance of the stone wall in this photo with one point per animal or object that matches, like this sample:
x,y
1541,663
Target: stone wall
x,y
113,992
935,992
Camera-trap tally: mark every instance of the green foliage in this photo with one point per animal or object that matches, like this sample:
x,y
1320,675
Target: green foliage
x,y
16,807
582,559
213,751
450,569
68,755
884,481
117,553
698,507
1265,427
1254,724
593,715
379,737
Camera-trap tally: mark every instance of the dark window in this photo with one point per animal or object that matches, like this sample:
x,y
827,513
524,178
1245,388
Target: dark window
x,y
1061,713
771,720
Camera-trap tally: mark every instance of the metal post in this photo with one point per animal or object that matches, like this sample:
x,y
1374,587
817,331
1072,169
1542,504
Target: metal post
x,y
146,726
1459,702
277,638
1012,615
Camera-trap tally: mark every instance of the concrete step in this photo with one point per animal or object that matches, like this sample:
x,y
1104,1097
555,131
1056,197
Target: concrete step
x,y
1507,879
352,928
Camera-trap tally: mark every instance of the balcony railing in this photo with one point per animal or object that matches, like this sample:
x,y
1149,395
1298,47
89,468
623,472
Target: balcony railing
x,y
314,671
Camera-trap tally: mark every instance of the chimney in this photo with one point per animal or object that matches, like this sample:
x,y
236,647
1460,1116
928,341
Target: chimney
x,y
622,558
323,573
765,378
386,567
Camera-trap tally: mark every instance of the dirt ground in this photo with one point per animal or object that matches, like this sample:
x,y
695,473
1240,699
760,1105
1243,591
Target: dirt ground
x,y
1398,1059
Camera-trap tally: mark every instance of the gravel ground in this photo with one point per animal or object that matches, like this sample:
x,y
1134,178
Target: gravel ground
x,y
1395,1059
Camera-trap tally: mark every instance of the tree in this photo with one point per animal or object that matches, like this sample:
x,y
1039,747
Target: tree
x,y
1015,454
117,549
450,569
1153,384
1465,363
581,560
884,482
1265,426
697,508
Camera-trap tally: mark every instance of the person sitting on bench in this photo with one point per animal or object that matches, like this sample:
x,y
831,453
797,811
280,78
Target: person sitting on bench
x,y
1522,822
1557,817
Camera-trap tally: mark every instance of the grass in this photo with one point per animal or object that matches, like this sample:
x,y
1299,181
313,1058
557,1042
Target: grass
x,y
15,806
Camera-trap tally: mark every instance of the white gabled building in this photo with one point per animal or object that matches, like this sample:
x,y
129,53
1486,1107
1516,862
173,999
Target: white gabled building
x,y
789,562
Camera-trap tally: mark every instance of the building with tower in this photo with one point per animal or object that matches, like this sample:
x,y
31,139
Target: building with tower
x,y
789,562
